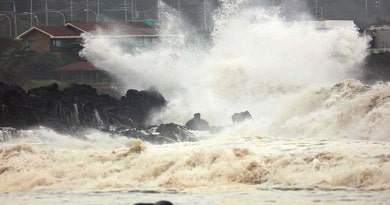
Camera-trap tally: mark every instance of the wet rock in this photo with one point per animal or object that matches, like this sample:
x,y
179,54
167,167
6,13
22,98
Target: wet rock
x,y
14,109
7,133
139,104
197,123
75,108
162,134
241,117
175,132
157,203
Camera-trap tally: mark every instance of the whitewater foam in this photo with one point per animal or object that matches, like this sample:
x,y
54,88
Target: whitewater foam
x,y
255,61
219,162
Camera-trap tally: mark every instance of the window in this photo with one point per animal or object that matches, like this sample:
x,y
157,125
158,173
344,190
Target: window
x,y
57,43
66,45
30,45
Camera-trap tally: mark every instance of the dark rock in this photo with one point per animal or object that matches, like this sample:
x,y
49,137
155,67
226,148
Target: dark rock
x,y
7,133
14,109
241,117
175,132
138,104
157,203
77,107
197,123
162,134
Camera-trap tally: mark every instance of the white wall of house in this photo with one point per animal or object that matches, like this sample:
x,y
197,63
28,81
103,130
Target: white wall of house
x,y
380,37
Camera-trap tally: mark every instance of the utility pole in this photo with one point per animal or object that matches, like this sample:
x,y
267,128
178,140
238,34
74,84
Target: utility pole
x,y
366,6
378,7
132,11
179,7
158,12
16,27
46,14
71,10
30,13
205,15
98,11
9,23
125,5
62,15
87,13
135,10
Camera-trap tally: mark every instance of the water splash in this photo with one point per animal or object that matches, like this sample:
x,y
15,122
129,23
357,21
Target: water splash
x,y
98,119
105,163
256,62
76,114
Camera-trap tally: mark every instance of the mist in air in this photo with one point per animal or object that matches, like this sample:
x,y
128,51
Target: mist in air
x,y
281,71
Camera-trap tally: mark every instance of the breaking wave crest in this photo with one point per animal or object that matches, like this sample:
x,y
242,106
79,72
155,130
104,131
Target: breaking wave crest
x,y
309,128
260,161
291,76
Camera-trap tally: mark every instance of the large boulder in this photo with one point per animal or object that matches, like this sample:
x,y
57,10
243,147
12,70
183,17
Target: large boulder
x,y
241,117
197,123
175,132
139,104
14,107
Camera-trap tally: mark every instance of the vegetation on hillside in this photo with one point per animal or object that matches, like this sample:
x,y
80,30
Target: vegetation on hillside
x,y
18,65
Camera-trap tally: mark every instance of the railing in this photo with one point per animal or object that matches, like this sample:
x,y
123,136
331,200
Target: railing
x,y
379,50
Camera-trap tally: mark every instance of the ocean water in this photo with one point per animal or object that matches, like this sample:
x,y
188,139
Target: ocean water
x,y
318,134
46,168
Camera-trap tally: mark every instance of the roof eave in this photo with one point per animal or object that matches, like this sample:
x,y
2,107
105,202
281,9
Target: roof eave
x,y
76,27
137,36
31,29
67,37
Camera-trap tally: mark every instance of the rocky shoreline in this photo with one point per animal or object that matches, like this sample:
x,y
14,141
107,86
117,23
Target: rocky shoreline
x,y
80,107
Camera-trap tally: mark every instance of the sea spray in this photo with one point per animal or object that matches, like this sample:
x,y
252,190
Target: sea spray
x,y
256,62
312,132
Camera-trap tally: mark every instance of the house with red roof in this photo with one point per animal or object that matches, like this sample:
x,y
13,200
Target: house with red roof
x,y
50,38
84,72
67,40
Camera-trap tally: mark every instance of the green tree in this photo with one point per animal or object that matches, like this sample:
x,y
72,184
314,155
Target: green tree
x,y
18,64
40,66
12,63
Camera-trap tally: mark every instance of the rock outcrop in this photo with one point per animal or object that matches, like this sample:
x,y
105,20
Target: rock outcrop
x,y
241,117
197,123
80,106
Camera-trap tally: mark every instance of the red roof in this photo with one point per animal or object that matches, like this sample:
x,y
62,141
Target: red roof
x,y
58,30
77,66
125,28
73,30
52,31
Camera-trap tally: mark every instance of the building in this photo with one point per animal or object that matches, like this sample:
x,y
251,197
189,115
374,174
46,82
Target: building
x,y
325,25
380,35
66,41
85,72
49,39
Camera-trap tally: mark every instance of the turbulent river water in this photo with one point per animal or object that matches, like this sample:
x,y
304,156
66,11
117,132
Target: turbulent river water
x,y
318,135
